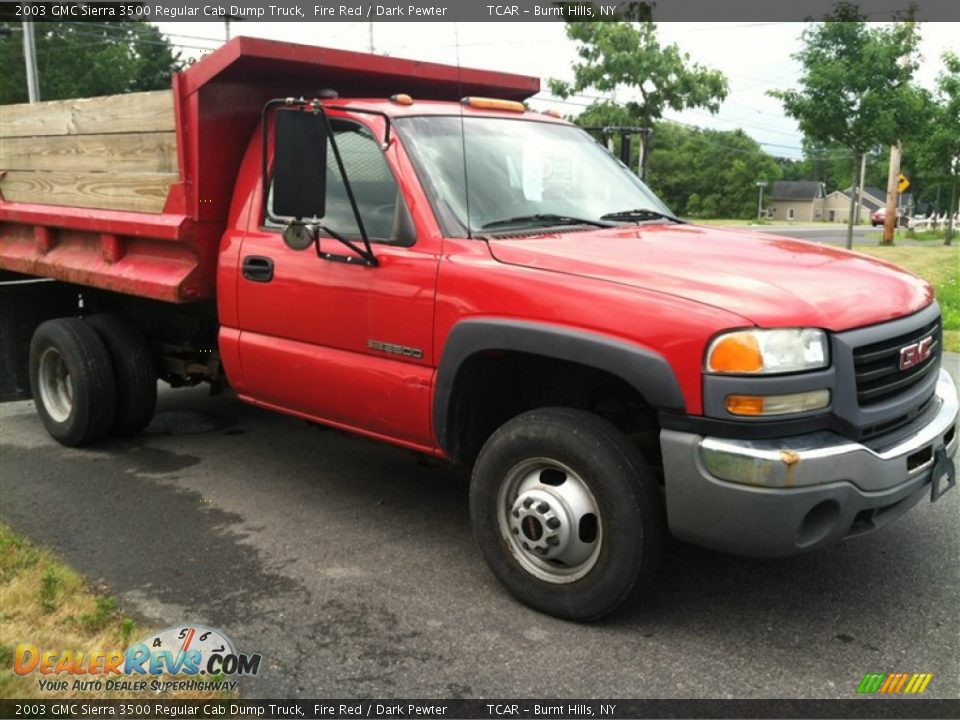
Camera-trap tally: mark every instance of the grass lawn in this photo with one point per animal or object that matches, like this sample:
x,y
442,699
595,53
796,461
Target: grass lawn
x,y
47,604
902,234
940,266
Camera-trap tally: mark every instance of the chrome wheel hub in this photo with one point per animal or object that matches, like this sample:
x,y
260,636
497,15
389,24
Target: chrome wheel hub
x,y
551,521
56,387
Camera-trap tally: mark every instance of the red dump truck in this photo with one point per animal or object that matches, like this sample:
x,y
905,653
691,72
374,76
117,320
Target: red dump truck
x,y
405,251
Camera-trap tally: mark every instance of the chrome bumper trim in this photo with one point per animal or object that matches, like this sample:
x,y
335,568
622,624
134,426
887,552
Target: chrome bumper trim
x,y
824,457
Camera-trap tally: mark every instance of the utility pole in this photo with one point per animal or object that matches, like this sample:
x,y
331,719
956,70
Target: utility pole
x,y
863,175
893,179
227,19
370,37
761,184
30,58
851,215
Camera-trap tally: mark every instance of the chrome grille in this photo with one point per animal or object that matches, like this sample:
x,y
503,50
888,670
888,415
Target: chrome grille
x,y
877,366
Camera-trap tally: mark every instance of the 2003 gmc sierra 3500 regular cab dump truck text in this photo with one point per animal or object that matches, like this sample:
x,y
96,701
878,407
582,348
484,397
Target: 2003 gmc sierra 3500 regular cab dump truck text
x,y
431,264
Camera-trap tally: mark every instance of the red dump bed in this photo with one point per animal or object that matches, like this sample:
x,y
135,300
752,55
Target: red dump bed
x,y
171,254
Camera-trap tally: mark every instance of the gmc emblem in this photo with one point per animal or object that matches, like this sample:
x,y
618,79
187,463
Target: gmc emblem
x,y
916,353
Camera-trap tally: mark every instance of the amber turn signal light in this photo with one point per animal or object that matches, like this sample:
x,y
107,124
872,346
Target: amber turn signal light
x,y
755,405
736,353
744,405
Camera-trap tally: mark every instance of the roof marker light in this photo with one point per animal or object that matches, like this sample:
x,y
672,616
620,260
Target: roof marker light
x,y
482,103
401,99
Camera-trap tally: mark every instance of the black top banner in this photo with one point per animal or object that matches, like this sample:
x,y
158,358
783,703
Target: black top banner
x,y
475,10
479,709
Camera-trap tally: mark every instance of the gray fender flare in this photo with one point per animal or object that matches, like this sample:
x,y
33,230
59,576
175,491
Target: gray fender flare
x,y
644,369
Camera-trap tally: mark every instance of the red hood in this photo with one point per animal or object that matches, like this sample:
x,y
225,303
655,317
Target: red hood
x,y
772,281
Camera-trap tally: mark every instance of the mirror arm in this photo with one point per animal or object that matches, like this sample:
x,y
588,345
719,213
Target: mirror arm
x,y
364,111
366,257
367,252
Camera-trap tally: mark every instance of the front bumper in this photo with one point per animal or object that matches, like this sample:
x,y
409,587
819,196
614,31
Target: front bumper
x,y
769,498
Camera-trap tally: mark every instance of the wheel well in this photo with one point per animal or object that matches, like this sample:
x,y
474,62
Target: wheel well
x,y
493,386
182,338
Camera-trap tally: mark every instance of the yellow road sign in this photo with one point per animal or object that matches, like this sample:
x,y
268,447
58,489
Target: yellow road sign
x,y
903,184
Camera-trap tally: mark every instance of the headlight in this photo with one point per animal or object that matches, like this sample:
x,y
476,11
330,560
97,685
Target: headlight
x,y
758,352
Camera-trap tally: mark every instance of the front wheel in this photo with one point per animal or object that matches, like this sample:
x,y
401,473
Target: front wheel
x,y
566,513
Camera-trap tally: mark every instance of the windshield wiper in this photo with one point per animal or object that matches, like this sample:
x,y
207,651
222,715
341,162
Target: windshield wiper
x,y
545,219
640,214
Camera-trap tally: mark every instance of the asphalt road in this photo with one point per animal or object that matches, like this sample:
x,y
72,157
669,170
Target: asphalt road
x,y
832,233
350,566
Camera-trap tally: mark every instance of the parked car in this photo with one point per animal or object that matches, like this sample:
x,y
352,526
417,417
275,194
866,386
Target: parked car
x,y
456,274
879,217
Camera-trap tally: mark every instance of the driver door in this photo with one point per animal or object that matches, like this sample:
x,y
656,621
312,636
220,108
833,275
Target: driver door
x,y
344,343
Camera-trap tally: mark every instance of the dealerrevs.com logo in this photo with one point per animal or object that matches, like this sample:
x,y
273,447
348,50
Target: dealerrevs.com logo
x,y
894,683
196,657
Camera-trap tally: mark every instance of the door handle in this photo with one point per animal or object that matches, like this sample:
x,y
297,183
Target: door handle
x,y
258,268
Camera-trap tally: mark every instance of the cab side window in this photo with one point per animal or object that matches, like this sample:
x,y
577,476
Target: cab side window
x,y
374,186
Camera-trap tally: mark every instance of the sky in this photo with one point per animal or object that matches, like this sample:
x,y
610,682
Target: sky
x,y
755,57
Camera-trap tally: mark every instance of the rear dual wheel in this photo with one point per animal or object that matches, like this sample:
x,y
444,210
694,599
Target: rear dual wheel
x,y
91,378
134,369
71,376
566,513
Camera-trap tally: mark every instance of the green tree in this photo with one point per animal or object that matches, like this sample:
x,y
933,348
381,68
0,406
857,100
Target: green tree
x,y
629,57
938,151
856,88
708,173
87,59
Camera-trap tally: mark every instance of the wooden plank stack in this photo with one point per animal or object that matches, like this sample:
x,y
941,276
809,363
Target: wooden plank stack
x,y
117,152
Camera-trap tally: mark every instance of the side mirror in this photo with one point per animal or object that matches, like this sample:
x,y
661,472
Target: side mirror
x,y
297,196
299,164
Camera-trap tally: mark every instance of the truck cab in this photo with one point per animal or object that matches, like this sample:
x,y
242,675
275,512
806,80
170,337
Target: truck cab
x,y
410,253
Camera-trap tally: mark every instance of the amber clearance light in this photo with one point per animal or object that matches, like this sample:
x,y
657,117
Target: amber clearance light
x,y
482,103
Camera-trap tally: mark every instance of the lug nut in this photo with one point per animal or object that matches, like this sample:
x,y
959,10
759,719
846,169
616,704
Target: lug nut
x,y
528,502
516,513
526,546
516,531
553,541
540,550
542,507
553,523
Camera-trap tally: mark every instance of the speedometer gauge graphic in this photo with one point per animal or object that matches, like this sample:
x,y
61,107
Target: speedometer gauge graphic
x,y
181,639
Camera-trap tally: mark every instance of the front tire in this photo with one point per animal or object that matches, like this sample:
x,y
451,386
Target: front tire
x,y
71,378
566,513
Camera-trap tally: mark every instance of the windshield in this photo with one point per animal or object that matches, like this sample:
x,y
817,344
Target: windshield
x,y
520,174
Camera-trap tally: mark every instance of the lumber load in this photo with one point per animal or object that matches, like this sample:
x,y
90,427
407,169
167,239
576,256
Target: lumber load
x,y
117,152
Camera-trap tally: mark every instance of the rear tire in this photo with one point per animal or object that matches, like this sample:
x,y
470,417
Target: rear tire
x,y
536,484
71,377
135,372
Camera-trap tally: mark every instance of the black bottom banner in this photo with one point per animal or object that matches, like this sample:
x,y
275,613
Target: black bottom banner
x,y
481,709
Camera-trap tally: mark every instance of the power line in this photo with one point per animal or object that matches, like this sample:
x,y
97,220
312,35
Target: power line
x,y
840,155
701,138
142,30
733,119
